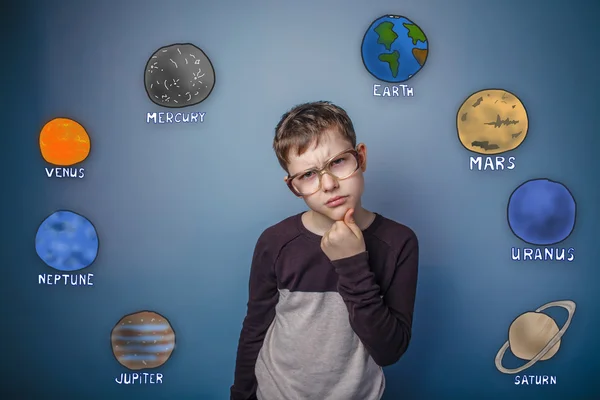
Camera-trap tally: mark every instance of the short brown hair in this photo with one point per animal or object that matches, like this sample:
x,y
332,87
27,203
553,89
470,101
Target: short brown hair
x,y
305,124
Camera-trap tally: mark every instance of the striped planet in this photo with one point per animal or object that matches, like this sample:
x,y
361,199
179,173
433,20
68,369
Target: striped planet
x,y
142,340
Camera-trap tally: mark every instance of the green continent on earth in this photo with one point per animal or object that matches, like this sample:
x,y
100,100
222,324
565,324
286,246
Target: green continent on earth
x,y
415,33
387,36
393,61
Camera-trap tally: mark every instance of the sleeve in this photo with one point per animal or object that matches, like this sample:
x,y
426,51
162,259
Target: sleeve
x,y
383,325
263,297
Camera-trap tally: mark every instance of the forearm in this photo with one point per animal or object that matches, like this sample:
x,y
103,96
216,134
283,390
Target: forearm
x,y
251,340
384,329
244,382
262,299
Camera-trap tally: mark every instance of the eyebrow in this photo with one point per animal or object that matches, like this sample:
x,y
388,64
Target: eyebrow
x,y
327,159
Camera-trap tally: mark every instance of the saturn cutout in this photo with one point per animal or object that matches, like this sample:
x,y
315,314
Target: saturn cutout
x,y
534,336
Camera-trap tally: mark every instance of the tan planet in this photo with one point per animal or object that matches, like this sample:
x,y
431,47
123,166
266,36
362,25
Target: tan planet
x,y
142,340
534,336
492,121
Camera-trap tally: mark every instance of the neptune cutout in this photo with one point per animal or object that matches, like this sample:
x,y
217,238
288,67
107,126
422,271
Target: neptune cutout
x,y
67,241
542,212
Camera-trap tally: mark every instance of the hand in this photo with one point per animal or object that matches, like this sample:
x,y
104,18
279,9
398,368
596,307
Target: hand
x,y
344,239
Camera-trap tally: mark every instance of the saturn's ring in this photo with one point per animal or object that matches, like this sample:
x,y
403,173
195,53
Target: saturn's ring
x,y
566,304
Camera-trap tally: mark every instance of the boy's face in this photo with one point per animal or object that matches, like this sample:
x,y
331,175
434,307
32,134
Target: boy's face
x,y
349,189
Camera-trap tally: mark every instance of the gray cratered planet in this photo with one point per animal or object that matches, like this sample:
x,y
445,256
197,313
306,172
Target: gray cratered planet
x,y
179,75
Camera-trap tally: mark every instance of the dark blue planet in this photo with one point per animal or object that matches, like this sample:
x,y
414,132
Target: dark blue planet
x,y
67,241
542,212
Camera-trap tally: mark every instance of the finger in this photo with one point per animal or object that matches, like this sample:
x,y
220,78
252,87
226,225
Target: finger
x,y
351,223
349,216
334,237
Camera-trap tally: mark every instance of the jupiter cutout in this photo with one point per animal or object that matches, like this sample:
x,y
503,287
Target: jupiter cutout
x,y
142,340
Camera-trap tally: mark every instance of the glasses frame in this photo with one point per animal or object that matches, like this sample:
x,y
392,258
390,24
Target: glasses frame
x,y
322,171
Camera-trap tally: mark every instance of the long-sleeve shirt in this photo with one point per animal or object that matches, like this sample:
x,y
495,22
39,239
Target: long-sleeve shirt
x,y
323,330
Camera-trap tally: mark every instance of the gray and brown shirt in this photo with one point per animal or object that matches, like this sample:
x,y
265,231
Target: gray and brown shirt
x,y
322,330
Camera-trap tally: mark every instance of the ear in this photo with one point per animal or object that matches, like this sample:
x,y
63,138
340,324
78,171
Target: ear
x,y
362,155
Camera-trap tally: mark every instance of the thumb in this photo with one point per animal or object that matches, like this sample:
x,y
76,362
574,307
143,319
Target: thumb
x,y
349,221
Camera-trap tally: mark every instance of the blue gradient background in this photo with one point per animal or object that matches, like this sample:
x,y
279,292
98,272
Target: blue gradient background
x,y
177,225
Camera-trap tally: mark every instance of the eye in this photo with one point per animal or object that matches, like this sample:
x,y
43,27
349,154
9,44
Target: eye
x,y
338,161
307,175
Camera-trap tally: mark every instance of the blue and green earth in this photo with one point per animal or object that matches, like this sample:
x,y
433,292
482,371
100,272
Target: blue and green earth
x,y
394,49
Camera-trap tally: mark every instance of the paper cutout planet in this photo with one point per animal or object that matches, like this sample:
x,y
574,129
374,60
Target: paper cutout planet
x,y
64,142
394,49
492,121
534,336
179,75
542,212
142,340
67,241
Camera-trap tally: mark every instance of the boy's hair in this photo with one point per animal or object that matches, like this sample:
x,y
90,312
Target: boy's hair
x,y
305,124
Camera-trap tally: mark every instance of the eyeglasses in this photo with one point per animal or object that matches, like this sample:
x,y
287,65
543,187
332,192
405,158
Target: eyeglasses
x,y
341,166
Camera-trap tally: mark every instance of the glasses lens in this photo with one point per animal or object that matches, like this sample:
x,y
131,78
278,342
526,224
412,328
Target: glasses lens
x,y
341,168
308,183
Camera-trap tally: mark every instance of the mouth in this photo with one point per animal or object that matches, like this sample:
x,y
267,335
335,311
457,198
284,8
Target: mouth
x,y
336,201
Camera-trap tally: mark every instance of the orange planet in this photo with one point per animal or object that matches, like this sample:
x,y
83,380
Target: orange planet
x,y
64,142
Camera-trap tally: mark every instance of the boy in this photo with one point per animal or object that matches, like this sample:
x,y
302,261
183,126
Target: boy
x,y
332,290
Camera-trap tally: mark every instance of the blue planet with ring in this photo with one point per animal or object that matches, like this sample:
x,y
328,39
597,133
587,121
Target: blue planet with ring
x,y
394,49
542,212
67,241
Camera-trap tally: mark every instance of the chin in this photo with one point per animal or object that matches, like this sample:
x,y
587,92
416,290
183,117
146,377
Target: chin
x,y
337,213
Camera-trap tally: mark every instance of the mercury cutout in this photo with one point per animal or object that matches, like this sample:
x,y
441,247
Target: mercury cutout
x,y
179,75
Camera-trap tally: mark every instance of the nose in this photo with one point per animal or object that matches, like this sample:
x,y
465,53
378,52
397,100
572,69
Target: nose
x,y
328,182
